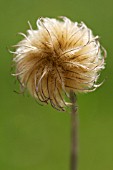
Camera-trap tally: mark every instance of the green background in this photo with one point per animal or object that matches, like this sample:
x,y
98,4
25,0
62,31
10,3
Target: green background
x,y
34,137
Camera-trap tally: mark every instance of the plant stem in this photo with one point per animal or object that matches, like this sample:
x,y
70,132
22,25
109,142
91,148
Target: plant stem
x,y
74,133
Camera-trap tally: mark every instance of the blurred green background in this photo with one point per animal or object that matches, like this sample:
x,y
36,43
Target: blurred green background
x,y
34,137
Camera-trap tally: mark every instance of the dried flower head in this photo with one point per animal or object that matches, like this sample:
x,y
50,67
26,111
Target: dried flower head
x,y
59,56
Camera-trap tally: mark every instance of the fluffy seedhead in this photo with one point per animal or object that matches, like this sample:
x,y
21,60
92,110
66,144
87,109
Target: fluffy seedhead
x,y
59,56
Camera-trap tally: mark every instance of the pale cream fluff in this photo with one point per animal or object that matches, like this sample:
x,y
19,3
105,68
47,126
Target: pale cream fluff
x,y
59,56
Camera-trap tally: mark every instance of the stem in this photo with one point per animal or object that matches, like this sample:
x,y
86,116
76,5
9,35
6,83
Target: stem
x,y
74,132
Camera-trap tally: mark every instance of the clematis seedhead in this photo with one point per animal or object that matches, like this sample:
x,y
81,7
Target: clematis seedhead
x,y
59,56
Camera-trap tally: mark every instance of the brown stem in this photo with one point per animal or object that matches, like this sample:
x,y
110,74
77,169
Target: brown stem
x,y
74,132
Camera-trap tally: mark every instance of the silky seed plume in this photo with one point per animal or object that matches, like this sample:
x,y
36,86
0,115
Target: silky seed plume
x,y
59,56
